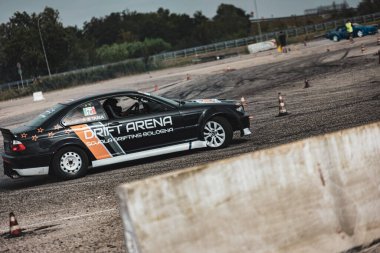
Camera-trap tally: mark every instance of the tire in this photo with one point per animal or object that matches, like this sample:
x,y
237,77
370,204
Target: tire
x,y
69,163
217,133
335,38
360,33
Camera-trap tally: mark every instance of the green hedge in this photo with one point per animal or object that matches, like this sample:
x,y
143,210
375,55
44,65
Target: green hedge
x,y
118,52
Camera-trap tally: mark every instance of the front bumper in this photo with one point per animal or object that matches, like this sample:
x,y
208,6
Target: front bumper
x,y
246,131
245,125
22,166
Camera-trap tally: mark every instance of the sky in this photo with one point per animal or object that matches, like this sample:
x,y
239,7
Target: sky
x,y
76,12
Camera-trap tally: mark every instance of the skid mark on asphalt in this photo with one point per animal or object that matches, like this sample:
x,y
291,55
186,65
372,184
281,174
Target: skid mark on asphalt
x,y
39,225
37,231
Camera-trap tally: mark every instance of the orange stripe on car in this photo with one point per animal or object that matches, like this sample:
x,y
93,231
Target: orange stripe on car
x,y
93,142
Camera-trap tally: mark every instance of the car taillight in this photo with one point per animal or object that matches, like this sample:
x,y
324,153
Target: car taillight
x,y
17,146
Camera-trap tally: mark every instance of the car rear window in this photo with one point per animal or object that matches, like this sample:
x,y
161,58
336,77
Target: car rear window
x,y
45,116
88,112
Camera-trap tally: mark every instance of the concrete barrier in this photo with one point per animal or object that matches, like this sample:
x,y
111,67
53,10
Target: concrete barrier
x,y
38,96
316,195
262,46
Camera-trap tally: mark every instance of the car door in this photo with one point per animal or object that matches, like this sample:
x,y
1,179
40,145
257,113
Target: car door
x,y
89,123
145,123
342,32
191,117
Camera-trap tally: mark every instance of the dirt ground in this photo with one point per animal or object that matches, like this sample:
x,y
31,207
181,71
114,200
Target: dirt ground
x,y
83,215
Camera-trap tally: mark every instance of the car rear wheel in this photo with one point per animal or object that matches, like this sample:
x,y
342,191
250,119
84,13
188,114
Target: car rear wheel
x,y
70,163
360,33
217,133
335,38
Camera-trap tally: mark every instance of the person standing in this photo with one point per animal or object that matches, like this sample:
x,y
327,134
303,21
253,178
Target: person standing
x,y
350,31
282,41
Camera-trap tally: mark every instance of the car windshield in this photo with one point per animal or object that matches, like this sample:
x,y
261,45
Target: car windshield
x,y
167,100
46,115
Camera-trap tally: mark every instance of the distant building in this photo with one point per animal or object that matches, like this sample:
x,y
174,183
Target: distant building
x,y
325,9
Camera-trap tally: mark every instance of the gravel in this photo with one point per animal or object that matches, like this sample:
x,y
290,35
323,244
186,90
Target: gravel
x,y
83,215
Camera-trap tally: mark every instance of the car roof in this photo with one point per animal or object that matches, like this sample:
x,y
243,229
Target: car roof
x,y
99,95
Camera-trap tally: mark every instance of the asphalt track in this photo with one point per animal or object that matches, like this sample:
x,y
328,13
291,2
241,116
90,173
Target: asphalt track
x,y
82,215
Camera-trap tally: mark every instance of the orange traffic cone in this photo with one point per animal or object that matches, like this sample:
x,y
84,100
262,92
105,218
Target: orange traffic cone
x,y
14,228
282,109
155,87
228,69
363,48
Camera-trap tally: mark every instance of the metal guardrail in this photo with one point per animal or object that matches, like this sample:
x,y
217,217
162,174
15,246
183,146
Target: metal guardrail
x,y
291,32
21,84
16,84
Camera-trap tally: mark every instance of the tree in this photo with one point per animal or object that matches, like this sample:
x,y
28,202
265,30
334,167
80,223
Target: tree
x,y
122,51
368,6
231,22
20,41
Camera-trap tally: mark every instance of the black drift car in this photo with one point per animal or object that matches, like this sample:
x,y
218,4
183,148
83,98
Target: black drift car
x,y
117,127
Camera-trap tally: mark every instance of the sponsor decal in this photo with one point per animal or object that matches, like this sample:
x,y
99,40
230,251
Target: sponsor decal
x,y
89,111
80,120
100,135
48,112
134,126
95,118
206,101
99,151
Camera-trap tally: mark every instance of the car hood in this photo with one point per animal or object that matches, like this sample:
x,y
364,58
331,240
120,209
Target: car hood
x,y
208,102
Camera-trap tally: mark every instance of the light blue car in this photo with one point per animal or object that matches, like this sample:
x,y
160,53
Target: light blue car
x,y
359,31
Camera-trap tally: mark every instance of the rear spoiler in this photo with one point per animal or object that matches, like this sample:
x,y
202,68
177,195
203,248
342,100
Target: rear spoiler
x,y
7,134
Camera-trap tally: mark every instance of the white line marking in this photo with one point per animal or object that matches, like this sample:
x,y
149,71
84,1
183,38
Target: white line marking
x,y
62,219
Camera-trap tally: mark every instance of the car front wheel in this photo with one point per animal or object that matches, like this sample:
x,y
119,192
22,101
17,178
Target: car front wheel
x,y
217,133
70,163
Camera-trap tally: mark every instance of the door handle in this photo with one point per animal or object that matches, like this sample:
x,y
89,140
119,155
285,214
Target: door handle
x,y
114,124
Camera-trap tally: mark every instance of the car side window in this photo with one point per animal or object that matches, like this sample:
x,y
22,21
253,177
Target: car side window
x,y
85,113
129,106
152,106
